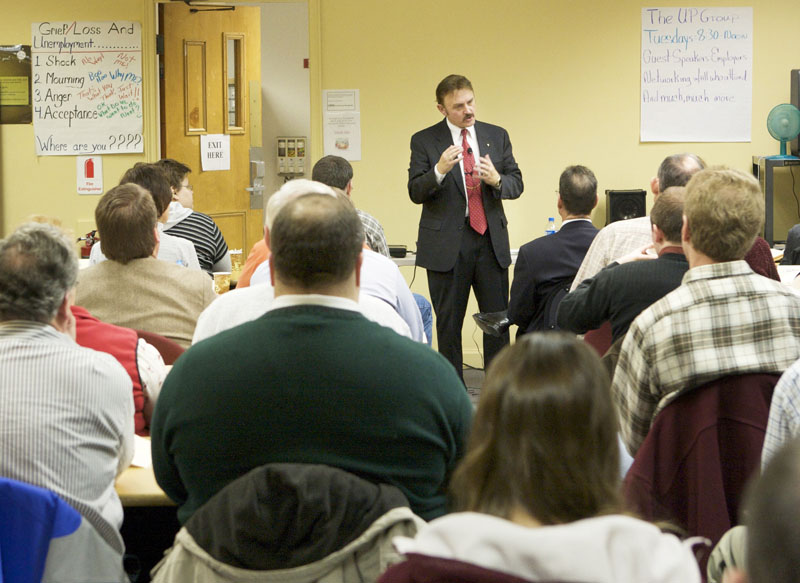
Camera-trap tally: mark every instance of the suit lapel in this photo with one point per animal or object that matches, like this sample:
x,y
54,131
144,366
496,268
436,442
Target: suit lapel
x,y
485,144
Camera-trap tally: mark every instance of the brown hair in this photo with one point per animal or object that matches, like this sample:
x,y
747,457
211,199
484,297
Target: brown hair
x,y
449,84
667,212
154,180
175,171
577,187
126,219
724,209
544,438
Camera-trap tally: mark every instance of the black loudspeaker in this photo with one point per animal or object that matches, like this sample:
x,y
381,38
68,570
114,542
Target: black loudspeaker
x,y
624,204
794,99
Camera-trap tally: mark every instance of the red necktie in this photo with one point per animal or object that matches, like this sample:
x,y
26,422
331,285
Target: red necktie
x,y
477,216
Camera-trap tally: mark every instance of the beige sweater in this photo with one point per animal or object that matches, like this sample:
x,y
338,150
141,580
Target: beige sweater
x,y
146,294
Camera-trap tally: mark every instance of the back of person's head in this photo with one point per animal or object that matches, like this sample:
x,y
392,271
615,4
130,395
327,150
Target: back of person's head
x,y
315,241
38,266
577,188
724,211
126,218
289,191
678,169
154,180
449,84
175,171
544,437
333,171
667,213
772,516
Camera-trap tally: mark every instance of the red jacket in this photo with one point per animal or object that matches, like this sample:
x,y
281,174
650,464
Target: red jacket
x,y
120,343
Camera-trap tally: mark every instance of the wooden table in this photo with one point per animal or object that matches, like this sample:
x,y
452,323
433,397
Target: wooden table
x,y
138,487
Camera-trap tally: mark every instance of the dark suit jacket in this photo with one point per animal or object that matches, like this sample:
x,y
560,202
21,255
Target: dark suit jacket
x,y
619,293
544,266
445,205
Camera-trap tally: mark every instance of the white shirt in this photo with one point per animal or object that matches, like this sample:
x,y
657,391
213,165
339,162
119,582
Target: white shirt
x,y
380,278
66,421
472,140
248,303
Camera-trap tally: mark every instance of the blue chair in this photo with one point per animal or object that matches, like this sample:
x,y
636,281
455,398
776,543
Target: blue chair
x,y
42,538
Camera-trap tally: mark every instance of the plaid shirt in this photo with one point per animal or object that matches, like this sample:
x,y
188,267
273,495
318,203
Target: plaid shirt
x,y
724,319
612,242
784,413
374,233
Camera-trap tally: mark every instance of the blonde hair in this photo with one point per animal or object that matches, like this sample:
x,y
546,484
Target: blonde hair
x,y
724,210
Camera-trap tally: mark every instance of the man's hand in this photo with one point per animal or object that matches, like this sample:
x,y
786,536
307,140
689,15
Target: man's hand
x,y
638,255
486,171
450,157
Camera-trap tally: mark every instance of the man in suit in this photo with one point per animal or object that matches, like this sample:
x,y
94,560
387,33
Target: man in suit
x,y
545,266
460,171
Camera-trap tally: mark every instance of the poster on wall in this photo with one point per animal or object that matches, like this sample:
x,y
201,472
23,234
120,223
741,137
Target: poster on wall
x,y
87,88
15,84
341,117
697,74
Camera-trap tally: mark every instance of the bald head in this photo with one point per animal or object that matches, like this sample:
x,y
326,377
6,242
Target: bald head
x,y
288,192
316,241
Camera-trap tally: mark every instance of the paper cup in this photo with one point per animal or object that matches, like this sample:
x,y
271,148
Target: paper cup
x,y
222,281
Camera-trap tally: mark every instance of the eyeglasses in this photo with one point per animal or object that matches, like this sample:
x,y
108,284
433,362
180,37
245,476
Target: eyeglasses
x,y
187,187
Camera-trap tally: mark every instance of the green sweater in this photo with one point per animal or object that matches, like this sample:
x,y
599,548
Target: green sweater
x,y
310,384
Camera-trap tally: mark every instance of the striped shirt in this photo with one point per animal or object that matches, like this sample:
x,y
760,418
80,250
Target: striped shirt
x,y
724,319
612,242
784,413
66,420
202,231
373,233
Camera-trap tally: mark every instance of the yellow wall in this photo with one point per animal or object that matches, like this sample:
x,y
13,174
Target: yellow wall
x,y
562,77
31,184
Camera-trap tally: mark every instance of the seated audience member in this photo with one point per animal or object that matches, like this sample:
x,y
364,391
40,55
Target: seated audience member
x,y
380,278
198,228
791,253
141,361
537,493
546,266
311,381
67,412
337,172
242,305
620,291
784,413
172,249
767,548
760,259
133,289
723,320
622,237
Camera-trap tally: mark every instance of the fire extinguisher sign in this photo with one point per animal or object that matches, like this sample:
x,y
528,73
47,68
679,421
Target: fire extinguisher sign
x,y
90,174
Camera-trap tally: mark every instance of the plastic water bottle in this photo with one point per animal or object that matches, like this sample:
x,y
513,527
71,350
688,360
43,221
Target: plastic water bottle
x,y
551,226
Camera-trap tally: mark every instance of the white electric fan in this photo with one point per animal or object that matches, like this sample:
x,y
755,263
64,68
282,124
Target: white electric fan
x,y
783,123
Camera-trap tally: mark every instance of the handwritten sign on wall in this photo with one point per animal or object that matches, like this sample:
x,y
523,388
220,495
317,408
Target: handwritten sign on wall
x,y
696,74
87,87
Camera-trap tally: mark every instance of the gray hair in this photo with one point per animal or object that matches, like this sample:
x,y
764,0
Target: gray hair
x,y
290,191
38,266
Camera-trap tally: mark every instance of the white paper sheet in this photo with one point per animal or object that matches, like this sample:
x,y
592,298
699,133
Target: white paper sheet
x,y
697,78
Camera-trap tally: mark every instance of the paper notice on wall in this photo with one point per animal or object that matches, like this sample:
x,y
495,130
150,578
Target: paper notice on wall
x,y
89,170
697,66
215,152
87,87
341,117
